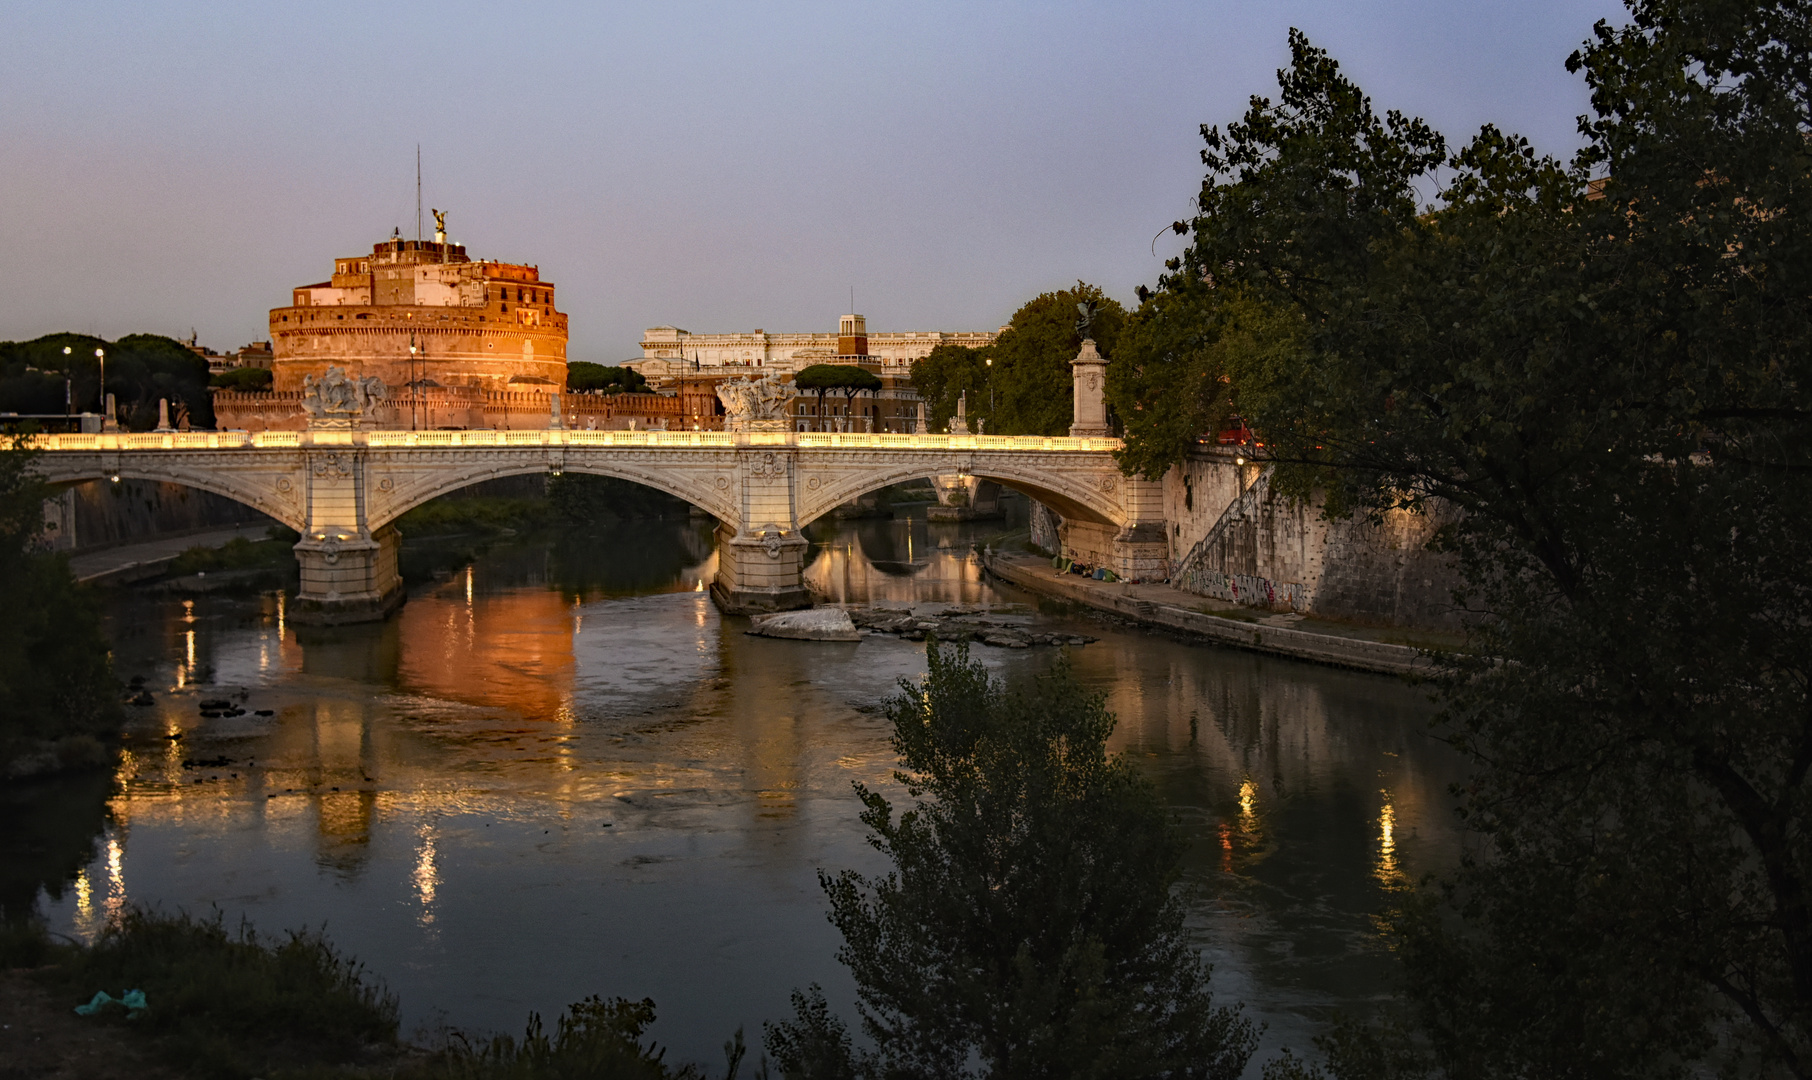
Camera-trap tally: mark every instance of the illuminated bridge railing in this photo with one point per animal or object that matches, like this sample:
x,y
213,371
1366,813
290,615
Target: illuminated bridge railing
x,y
804,440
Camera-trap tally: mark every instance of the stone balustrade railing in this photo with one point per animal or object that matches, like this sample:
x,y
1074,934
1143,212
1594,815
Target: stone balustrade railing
x,y
226,440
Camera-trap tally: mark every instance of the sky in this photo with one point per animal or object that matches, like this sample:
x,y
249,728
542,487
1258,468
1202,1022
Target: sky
x,y
721,167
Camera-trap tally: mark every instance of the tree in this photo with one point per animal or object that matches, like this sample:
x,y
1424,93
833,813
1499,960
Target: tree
x,y
1604,365
1172,384
847,378
945,374
1031,373
243,380
584,377
141,369
859,381
55,676
1028,923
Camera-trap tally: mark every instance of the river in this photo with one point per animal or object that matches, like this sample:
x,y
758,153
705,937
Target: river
x,y
558,771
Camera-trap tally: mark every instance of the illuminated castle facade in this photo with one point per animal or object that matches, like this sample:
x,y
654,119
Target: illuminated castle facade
x,y
458,345
486,326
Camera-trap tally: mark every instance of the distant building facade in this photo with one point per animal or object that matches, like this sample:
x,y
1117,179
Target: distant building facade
x,y
664,348
257,354
691,365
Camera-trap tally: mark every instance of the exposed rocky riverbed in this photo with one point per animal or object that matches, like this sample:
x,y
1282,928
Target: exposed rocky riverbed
x,y
1008,628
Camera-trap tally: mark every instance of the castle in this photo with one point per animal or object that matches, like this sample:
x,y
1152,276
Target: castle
x,y
421,312
456,343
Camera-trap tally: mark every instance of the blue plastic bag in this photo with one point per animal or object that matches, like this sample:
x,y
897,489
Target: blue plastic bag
x,y
133,1000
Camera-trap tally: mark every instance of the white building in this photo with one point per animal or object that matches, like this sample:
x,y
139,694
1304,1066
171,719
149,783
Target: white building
x,y
668,351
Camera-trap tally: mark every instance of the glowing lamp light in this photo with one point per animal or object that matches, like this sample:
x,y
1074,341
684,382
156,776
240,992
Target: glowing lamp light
x,y
115,478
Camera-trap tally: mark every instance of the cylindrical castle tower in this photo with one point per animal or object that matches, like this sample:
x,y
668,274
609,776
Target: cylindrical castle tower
x,y
480,325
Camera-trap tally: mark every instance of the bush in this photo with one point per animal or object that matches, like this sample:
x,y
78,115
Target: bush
x,y
239,553
231,1005
593,1039
1028,925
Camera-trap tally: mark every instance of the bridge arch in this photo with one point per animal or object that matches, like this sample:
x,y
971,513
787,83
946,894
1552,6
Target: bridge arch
x,y
408,495
257,491
1077,498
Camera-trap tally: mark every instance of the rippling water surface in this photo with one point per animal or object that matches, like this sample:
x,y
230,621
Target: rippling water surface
x,y
561,772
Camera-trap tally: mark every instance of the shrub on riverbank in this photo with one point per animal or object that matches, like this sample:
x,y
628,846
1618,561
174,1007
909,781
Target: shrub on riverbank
x,y
226,1004
530,502
57,693
593,1038
1028,924
240,553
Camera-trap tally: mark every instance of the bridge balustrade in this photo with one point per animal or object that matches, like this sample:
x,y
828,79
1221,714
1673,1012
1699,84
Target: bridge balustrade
x,y
226,440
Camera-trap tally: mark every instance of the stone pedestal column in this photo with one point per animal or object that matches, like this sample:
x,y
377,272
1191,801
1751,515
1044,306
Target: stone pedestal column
x,y
761,564
348,571
760,571
1089,383
347,577
1141,550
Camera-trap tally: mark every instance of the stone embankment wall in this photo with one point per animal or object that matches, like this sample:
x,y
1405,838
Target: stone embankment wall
x,y
1234,538
102,514
1231,537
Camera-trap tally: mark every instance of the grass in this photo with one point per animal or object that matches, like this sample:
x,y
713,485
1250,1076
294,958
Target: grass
x,y
593,1038
239,553
228,1004
481,514
231,1005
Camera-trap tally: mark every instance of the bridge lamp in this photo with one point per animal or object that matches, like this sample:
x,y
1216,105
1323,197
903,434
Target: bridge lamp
x,y
1239,461
115,478
101,355
67,406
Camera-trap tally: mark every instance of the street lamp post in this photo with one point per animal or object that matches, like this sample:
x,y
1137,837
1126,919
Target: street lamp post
x,y
990,366
101,355
68,391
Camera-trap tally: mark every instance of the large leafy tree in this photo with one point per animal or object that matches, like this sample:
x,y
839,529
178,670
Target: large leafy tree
x,y
1031,371
1028,925
846,379
585,377
55,675
945,374
141,370
1605,365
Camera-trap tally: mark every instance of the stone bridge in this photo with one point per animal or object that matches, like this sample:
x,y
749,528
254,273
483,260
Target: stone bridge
x,y
342,490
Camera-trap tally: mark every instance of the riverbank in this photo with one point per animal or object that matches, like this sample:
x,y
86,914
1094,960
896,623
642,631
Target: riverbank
x,y
1383,650
124,564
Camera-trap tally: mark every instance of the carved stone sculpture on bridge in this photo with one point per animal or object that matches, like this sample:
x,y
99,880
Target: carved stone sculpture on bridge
x,y
338,400
756,404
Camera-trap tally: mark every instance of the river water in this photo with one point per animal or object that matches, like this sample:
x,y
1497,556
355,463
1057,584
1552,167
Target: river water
x,y
558,771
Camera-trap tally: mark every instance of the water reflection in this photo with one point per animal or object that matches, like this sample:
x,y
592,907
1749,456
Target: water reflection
x,y
559,771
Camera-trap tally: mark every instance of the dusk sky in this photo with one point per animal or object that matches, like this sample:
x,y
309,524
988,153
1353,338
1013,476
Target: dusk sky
x,y
718,167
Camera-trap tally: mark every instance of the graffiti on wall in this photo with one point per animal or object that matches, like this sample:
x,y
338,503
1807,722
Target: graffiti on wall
x,y
1044,529
1247,589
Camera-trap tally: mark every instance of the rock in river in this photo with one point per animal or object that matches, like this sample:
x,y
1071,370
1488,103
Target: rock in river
x,y
813,624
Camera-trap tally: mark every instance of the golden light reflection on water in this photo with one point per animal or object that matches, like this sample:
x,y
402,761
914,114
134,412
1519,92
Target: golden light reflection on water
x,y
116,879
85,925
1248,805
510,652
1387,870
426,877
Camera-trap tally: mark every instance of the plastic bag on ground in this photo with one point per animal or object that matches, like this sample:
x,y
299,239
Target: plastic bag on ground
x,y
133,1000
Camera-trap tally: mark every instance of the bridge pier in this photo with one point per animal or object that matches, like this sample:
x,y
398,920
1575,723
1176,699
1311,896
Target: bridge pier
x,y
348,578
761,571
